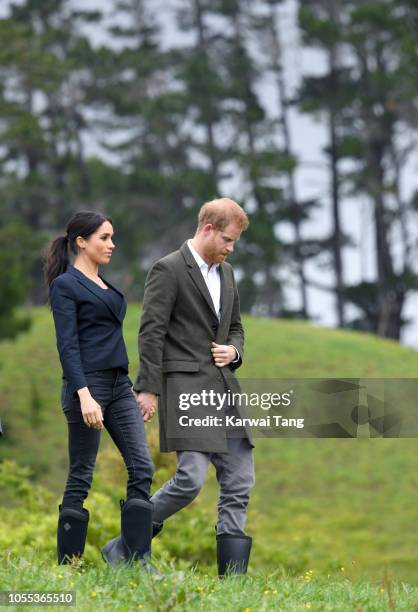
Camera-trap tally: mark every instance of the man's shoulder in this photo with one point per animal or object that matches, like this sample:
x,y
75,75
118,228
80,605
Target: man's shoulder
x,y
172,260
226,265
228,269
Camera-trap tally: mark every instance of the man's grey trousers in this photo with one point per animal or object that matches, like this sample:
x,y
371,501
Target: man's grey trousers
x,y
235,475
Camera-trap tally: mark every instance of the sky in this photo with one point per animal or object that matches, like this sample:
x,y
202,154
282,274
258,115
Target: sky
x,y
309,138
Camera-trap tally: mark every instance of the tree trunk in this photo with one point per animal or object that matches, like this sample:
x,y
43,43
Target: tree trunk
x,y
202,46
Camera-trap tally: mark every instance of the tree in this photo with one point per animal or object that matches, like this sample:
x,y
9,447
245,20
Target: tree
x,y
373,87
265,22
204,88
17,255
257,158
328,94
42,65
158,184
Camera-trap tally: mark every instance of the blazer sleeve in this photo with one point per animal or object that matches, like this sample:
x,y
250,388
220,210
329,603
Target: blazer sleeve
x,y
64,310
236,331
159,298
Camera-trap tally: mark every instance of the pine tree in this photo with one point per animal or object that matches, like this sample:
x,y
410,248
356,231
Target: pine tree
x,y
258,160
44,173
370,97
265,23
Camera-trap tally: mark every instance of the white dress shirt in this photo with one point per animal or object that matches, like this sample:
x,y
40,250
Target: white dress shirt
x,y
212,279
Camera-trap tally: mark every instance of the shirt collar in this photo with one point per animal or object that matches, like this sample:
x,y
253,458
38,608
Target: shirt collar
x,y
199,260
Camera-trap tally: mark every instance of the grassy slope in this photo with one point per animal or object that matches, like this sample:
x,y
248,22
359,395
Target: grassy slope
x,y
317,504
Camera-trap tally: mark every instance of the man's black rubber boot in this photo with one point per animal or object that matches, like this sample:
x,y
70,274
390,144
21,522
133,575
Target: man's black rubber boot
x,y
71,533
233,552
113,552
156,528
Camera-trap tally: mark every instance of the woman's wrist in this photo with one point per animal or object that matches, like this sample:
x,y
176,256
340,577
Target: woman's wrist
x,y
84,393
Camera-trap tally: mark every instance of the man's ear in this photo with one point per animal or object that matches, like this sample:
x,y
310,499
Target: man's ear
x,y
206,229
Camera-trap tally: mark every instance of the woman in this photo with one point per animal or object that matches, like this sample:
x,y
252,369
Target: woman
x,y
88,314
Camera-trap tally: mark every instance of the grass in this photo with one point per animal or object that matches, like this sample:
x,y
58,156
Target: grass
x,y
132,589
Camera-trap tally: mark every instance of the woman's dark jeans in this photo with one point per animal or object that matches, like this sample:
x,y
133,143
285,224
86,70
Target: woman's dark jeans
x,y
112,390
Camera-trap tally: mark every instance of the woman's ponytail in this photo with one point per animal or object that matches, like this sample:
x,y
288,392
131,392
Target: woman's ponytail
x,y
57,258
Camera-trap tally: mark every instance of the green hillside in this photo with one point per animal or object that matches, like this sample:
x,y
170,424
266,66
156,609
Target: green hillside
x,y
340,507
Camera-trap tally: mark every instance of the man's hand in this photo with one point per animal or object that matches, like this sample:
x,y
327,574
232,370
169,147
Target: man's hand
x,y
223,354
147,403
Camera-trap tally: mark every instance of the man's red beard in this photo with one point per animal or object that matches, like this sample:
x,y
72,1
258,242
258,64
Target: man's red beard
x,y
215,256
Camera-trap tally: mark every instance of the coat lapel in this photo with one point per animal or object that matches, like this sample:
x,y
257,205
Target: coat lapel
x,y
197,277
98,292
226,294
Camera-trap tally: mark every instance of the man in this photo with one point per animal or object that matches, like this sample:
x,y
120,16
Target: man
x,y
191,341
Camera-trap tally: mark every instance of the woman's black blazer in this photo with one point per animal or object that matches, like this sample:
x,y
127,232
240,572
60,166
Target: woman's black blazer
x,y
88,329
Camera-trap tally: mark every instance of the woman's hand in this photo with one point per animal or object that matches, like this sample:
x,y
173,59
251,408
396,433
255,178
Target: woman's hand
x,y
91,410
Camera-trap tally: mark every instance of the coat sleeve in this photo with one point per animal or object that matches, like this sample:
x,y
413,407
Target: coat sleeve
x,y
159,298
236,331
64,310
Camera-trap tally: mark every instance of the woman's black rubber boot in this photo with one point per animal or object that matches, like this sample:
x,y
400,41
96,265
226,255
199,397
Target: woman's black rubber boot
x,y
114,551
136,529
71,533
233,552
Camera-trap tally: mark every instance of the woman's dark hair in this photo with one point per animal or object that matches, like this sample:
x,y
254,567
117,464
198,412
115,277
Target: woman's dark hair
x,y
83,223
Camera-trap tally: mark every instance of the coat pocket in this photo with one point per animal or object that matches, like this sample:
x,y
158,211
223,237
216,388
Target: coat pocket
x,y
177,365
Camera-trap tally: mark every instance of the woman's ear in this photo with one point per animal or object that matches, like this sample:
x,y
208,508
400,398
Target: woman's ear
x,y
80,242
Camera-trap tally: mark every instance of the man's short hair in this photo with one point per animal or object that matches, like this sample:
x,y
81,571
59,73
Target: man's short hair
x,y
221,212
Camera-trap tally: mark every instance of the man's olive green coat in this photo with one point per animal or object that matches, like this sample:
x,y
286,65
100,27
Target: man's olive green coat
x,y
178,326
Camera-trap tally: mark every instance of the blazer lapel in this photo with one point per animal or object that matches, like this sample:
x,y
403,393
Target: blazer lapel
x,y
226,294
197,277
98,292
122,312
